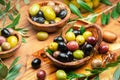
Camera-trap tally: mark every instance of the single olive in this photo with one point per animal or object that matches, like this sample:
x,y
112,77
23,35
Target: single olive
x,y
5,32
36,63
42,35
62,57
56,8
96,63
40,14
76,32
34,18
5,46
41,74
13,40
62,13
70,56
61,75
62,46
40,20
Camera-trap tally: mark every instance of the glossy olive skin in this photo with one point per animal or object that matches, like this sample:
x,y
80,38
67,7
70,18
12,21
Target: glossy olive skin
x,y
5,32
70,56
41,74
36,63
34,18
76,32
62,13
62,47
58,39
40,14
62,57
51,22
87,48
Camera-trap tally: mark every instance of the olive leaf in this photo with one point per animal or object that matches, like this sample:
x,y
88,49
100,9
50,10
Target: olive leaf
x,y
14,12
49,51
26,1
10,16
91,18
116,75
2,2
103,18
84,5
82,29
75,10
3,71
115,13
17,6
108,18
118,7
69,30
23,40
7,7
107,2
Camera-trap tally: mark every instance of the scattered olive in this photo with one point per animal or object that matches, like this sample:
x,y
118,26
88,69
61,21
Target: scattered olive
x,y
62,13
41,74
61,75
51,22
42,35
5,46
103,48
2,39
5,32
0,48
96,63
36,63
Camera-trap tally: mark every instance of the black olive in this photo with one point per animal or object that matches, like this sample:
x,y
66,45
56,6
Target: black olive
x,y
34,18
62,47
76,32
51,22
5,32
58,39
62,13
41,20
87,48
70,56
36,63
40,14
62,57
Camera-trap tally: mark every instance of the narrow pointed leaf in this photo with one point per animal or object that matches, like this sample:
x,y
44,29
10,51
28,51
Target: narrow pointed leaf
x,y
2,2
75,10
3,70
10,16
115,14
82,29
14,12
107,2
108,18
103,19
84,5
7,7
118,7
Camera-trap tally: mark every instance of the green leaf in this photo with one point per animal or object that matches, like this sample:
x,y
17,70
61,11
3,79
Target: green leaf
x,y
103,19
69,30
14,12
108,18
49,51
14,63
2,2
116,74
107,2
17,7
112,64
75,10
82,29
23,40
91,18
26,1
10,17
115,14
84,5
1,14
118,7
3,70
15,70
7,7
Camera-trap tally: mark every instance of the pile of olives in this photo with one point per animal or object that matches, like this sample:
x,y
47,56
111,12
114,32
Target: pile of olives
x,y
7,39
76,45
47,14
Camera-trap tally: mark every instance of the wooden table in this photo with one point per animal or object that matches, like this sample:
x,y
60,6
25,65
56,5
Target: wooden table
x,y
32,45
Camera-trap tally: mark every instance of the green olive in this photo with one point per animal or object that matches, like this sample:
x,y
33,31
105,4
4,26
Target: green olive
x,y
57,19
42,35
78,54
12,40
61,75
46,22
87,34
53,46
70,36
80,39
34,9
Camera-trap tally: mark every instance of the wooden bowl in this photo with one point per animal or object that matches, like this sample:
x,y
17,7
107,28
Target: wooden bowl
x,y
10,52
96,31
50,27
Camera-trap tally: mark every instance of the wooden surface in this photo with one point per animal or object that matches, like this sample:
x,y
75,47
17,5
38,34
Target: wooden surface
x,y
33,45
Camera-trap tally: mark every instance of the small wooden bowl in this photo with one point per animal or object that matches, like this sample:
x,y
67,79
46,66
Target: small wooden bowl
x,y
96,31
50,27
10,52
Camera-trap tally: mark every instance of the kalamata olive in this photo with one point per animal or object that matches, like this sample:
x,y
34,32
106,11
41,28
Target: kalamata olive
x,y
5,46
70,56
76,32
51,22
62,46
41,74
2,39
41,20
103,48
5,32
97,63
62,57
36,63
62,13
56,53
61,75
56,8
91,40
40,14
72,45
58,39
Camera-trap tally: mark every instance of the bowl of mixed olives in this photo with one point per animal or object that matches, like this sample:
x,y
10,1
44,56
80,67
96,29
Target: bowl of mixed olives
x,y
74,47
10,41
48,16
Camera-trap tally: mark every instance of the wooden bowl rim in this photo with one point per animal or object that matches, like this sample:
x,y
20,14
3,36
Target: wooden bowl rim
x,y
14,48
80,61
55,24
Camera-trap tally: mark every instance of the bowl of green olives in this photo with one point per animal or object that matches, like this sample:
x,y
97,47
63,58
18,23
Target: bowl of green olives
x,y
49,16
75,47
10,41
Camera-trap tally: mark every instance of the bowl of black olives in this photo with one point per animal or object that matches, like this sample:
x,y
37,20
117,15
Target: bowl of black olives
x,y
49,16
75,47
10,41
